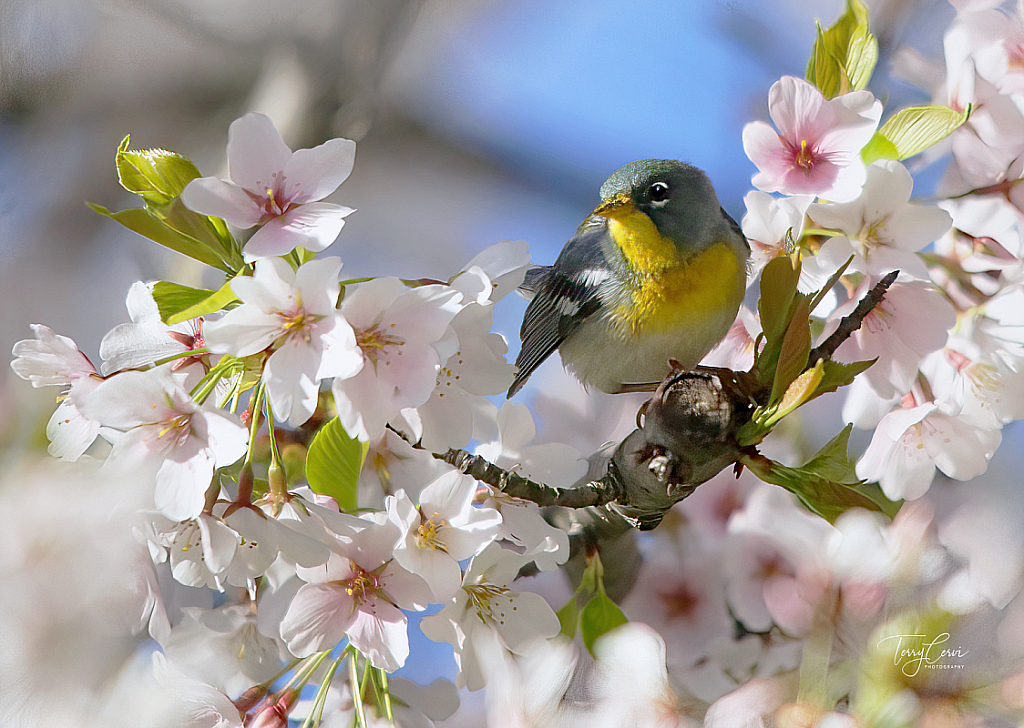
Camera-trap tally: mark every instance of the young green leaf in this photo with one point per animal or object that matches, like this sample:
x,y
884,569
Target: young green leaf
x,y
799,391
836,375
150,226
569,617
911,131
601,615
778,286
796,347
156,175
844,56
861,57
333,464
819,495
211,302
833,461
173,297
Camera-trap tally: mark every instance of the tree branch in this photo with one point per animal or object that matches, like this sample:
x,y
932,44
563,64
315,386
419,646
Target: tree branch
x,y
688,436
851,323
593,493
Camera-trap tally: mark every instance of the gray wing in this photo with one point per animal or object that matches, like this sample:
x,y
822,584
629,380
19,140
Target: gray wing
x,y
564,297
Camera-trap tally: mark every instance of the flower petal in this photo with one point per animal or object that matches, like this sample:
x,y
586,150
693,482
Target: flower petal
x,y
212,196
256,153
317,618
313,226
312,174
379,630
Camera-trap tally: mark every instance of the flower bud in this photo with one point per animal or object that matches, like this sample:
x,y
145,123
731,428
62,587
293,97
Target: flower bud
x,y
276,715
251,698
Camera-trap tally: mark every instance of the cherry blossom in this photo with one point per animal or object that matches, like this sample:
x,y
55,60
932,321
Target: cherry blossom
x,y
276,188
223,647
683,598
397,330
392,464
816,150
530,689
442,531
986,387
457,410
736,350
886,228
292,314
523,523
770,223
631,680
55,360
494,272
552,463
146,340
186,701
263,540
487,613
198,549
910,322
911,442
166,433
358,594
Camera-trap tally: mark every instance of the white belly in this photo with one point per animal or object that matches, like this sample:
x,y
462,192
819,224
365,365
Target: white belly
x,y
607,359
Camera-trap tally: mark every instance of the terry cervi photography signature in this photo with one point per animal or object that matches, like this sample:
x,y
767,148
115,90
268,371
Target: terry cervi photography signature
x,y
911,652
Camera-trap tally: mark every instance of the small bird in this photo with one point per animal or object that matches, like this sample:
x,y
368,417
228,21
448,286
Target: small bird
x,y
655,273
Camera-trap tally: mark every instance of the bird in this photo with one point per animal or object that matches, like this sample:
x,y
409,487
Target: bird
x,y
655,274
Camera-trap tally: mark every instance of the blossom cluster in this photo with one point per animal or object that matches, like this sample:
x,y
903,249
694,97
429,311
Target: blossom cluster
x,y
403,363
279,436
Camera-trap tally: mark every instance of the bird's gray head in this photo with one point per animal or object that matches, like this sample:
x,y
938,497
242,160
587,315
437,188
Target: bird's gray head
x,y
677,197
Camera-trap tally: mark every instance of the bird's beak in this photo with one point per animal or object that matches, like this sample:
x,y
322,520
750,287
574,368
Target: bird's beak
x,y
616,208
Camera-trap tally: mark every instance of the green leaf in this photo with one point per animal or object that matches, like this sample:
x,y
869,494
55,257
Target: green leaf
x,y
601,615
569,617
878,147
836,375
819,495
799,391
172,297
156,175
209,231
861,57
776,307
822,68
778,286
911,131
796,347
210,302
148,225
333,464
844,56
833,462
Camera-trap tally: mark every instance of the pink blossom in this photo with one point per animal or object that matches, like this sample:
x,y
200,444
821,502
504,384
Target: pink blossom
x,y
910,443
884,229
359,594
166,433
400,332
910,322
816,149
277,189
51,359
292,313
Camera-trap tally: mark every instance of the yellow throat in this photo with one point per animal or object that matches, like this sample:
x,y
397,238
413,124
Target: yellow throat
x,y
668,291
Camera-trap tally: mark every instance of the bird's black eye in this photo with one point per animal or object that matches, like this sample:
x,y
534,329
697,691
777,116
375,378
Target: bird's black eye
x,y
658,192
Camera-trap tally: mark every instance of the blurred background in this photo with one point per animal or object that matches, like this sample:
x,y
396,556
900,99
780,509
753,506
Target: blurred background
x,y
476,121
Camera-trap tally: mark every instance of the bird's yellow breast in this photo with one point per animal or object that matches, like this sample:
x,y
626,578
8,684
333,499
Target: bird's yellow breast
x,y
667,291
